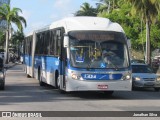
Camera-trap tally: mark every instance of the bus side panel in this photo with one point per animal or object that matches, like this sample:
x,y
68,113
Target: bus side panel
x,y
51,64
37,65
48,66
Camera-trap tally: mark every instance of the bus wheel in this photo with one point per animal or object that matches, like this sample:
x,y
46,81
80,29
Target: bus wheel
x,y
157,89
41,83
58,86
28,76
58,82
2,86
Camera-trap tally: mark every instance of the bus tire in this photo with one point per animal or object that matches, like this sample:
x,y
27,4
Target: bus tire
x,y
41,83
2,86
56,79
58,85
157,89
28,76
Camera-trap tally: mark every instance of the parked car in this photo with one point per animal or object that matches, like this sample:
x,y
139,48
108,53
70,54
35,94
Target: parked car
x,y
144,77
2,75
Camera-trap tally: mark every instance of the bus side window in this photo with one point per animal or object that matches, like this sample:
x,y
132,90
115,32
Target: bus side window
x,y
41,44
52,42
58,43
37,45
45,43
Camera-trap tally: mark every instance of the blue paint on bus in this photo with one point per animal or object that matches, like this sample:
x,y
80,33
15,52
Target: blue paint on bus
x,y
89,76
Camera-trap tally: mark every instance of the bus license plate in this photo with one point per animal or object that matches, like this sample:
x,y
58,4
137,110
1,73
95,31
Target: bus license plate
x,y
102,87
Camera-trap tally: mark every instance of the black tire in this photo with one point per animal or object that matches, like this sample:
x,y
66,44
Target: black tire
x,y
58,86
2,87
56,80
41,83
157,89
133,88
28,76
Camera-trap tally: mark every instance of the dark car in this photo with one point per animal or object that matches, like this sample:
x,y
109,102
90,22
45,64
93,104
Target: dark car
x,y
2,75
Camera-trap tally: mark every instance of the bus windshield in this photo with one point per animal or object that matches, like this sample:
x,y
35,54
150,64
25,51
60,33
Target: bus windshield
x,y
97,49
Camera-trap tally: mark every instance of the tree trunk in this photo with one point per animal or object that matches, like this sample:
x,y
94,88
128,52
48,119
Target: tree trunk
x,y
148,52
7,42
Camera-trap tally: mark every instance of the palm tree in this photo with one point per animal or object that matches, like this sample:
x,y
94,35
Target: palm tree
x,y
86,10
2,38
108,5
148,9
11,16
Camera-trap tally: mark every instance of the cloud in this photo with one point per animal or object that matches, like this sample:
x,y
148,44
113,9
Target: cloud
x,y
35,26
64,8
54,16
62,3
38,25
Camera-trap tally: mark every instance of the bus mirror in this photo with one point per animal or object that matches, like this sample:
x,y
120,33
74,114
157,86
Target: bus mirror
x,y
66,41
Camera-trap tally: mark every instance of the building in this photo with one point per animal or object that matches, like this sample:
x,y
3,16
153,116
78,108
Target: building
x,y
3,23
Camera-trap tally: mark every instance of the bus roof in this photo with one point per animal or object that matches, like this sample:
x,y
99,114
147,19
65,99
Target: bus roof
x,y
82,23
87,23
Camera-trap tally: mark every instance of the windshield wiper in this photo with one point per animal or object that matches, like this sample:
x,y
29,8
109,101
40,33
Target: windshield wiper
x,y
115,66
108,55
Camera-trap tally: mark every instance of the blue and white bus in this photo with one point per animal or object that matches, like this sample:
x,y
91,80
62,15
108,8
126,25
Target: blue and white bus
x,y
80,54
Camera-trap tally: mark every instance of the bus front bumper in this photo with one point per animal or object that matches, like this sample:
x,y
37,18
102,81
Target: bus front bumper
x,y
96,85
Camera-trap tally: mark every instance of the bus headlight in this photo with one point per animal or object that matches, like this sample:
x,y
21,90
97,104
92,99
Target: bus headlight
x,y
74,76
158,79
137,78
126,77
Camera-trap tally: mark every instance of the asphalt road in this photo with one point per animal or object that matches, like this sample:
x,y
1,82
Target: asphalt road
x,y
25,94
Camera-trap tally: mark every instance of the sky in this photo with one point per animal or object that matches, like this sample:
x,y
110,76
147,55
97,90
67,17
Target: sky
x,y
40,13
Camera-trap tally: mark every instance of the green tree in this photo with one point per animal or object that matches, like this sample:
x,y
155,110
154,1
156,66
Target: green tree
x,y
86,10
11,16
2,38
107,6
148,9
130,24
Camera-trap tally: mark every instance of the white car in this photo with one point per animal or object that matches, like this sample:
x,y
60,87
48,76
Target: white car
x,y
143,77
